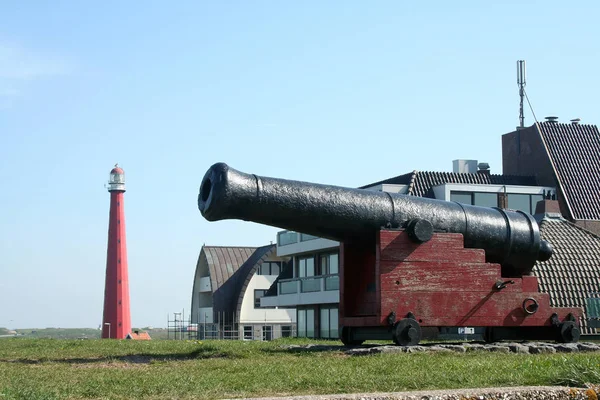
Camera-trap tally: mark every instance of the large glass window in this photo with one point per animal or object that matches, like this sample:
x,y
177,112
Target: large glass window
x,y
324,322
534,200
306,322
485,199
258,294
329,264
329,322
462,197
301,321
517,201
310,323
333,323
306,266
269,268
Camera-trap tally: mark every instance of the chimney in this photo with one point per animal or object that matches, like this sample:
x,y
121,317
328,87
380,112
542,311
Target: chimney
x,y
552,119
575,121
464,166
483,168
547,207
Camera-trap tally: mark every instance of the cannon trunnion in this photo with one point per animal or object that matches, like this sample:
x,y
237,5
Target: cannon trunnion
x,y
408,263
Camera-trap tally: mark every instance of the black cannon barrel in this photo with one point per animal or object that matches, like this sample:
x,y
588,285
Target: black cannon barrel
x,y
510,238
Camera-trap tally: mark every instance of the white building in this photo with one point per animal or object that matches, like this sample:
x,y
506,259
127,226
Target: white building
x,y
228,285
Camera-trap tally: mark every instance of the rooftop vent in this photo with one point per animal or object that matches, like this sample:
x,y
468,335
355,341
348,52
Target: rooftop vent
x,y
464,166
483,168
552,119
575,121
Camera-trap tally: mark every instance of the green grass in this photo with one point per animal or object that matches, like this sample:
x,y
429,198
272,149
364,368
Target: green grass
x,y
79,333
111,369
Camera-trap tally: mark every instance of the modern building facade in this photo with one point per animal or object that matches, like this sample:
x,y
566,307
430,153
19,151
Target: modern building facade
x,y
310,284
228,285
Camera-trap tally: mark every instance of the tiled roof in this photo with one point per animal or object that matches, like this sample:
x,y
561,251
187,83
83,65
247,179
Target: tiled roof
x,y
138,336
231,269
574,152
572,275
223,262
421,182
247,271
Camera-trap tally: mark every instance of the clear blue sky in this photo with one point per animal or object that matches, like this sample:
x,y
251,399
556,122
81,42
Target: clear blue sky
x,y
340,92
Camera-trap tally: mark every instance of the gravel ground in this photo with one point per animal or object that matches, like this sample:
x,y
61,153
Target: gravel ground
x,y
511,393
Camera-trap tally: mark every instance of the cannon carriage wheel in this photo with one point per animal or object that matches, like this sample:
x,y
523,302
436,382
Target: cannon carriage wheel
x,y
346,337
407,332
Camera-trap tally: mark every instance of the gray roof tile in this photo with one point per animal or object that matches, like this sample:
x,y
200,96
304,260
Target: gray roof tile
x,y
421,182
574,151
231,269
572,274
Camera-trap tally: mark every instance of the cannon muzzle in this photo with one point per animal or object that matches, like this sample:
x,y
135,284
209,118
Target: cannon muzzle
x,y
510,238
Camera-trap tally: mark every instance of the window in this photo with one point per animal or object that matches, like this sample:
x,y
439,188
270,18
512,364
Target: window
x,y
462,197
306,267
515,201
248,333
286,331
519,202
524,202
482,199
301,320
534,200
329,322
306,322
329,264
485,199
310,323
269,268
324,323
267,333
258,294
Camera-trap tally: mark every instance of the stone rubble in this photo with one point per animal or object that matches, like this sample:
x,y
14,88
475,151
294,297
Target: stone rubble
x,y
500,347
510,393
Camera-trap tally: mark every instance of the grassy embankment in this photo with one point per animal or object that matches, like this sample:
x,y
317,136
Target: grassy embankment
x,y
110,369
76,333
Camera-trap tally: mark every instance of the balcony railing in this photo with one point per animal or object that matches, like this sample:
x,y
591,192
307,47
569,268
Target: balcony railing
x,y
309,284
332,282
290,237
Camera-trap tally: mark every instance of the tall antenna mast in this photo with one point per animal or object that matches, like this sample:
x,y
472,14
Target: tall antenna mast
x,y
521,82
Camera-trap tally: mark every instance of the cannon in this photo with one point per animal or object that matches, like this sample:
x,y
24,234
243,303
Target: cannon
x,y
407,263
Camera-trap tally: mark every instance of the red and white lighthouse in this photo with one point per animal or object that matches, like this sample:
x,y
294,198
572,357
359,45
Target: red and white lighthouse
x,y
116,322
